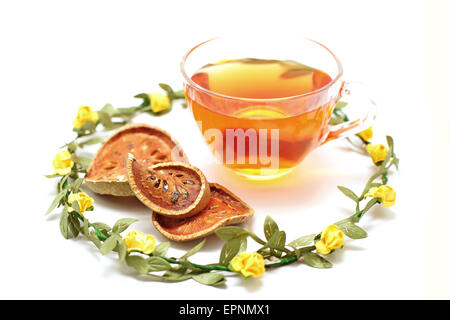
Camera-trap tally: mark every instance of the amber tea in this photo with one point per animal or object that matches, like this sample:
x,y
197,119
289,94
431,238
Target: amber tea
x,y
248,122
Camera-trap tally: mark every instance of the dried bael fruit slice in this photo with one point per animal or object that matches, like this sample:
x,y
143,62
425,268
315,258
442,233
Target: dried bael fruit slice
x,y
107,173
224,208
173,189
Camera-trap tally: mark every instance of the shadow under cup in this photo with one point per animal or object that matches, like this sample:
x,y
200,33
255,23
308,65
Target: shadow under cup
x,y
262,138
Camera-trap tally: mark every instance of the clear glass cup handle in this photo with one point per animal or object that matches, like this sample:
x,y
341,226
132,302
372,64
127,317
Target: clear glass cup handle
x,y
357,96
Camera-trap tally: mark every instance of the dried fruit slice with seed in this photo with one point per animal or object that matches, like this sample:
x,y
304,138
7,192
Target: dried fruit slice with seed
x,y
224,208
107,172
173,189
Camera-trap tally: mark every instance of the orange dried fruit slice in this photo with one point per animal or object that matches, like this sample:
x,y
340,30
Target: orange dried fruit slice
x,y
107,172
174,189
224,208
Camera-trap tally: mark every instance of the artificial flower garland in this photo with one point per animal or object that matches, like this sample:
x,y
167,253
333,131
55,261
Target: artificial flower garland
x,y
140,251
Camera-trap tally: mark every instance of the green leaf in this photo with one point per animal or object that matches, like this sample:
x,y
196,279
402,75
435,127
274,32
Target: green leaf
x,y
340,105
105,119
277,241
62,184
243,244
375,184
121,249
390,142
157,264
194,250
396,162
270,227
168,89
339,115
72,147
343,221
104,228
229,250
302,241
76,185
314,260
53,175
231,232
334,120
352,231
145,97
349,193
74,226
76,208
137,262
56,201
265,252
84,161
109,244
127,112
87,127
115,125
64,223
179,94
174,276
122,224
210,278
85,228
91,141
298,253
93,237
109,110
369,205
161,249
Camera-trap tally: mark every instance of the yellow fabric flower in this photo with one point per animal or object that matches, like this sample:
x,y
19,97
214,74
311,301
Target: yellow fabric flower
x,y
136,240
385,193
62,163
367,134
378,152
84,114
159,102
330,239
84,201
249,264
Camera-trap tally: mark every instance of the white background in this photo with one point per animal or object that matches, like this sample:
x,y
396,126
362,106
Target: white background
x,y
58,55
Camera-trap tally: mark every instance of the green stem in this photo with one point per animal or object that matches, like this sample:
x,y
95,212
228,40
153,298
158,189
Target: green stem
x,y
97,232
208,267
211,267
358,215
257,239
290,259
283,262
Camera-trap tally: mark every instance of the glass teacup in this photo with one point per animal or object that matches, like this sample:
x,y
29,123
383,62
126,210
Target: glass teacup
x,y
255,130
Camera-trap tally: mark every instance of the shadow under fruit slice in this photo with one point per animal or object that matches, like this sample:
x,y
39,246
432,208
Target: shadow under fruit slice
x,y
224,208
174,189
107,173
